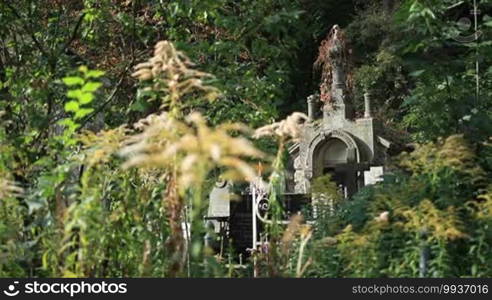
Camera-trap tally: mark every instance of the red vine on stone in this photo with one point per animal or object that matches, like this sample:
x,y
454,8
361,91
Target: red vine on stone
x,y
324,62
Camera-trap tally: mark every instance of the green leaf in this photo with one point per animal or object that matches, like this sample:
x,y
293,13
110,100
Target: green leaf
x,y
83,112
69,123
86,98
474,270
72,106
138,106
73,80
83,69
91,86
488,23
94,74
417,73
74,94
34,204
65,122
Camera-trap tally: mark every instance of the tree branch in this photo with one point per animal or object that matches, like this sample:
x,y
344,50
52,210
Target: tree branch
x,y
110,97
74,33
27,29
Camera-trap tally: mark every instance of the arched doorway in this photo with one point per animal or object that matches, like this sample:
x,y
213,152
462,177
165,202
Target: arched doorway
x,y
338,157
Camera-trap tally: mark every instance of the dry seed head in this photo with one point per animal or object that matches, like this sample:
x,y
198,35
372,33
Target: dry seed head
x,y
290,128
194,147
98,147
173,73
328,241
441,224
292,229
383,217
9,189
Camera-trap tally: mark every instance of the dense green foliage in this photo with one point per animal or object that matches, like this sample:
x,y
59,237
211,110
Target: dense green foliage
x,y
95,163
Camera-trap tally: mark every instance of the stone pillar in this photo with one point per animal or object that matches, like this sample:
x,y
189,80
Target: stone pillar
x,y
367,105
311,107
338,76
342,107
301,177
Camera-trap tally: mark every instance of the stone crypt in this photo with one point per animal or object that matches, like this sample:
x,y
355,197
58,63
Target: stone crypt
x,y
334,141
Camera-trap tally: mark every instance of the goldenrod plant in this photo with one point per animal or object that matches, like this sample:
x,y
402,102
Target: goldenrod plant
x,y
273,260
428,221
184,149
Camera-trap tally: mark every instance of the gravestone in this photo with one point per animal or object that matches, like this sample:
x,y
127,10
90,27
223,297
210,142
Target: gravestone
x,y
373,176
219,203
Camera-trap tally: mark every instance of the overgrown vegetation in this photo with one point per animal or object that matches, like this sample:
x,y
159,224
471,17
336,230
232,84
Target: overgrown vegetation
x,y
116,117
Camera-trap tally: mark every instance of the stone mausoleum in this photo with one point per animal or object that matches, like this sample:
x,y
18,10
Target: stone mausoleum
x,y
335,141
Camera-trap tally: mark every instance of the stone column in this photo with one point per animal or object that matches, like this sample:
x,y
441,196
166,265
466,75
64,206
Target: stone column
x,y
311,107
367,105
301,177
342,108
338,76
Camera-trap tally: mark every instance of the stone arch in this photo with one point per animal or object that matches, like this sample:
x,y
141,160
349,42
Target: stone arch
x,y
324,140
